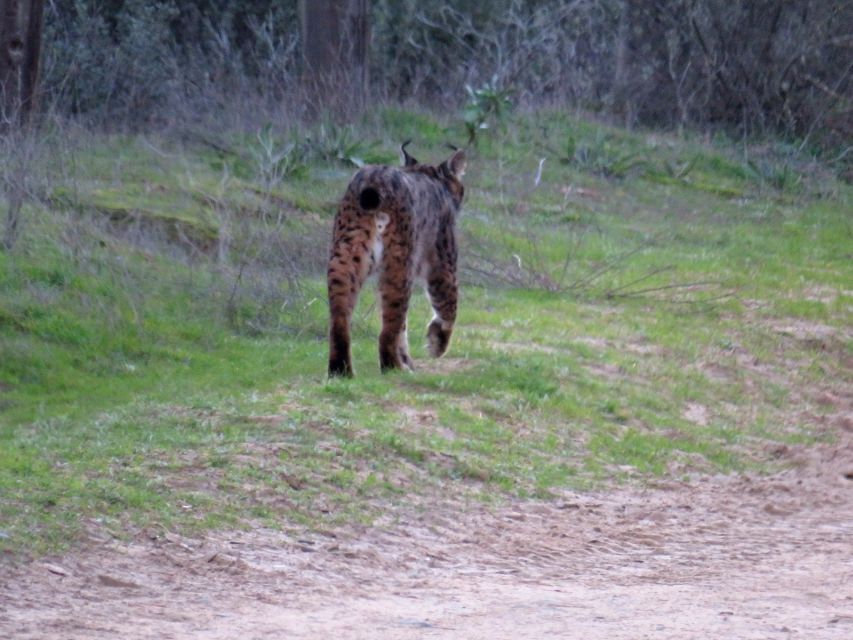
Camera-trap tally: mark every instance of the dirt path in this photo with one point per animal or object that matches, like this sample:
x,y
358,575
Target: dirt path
x,y
717,558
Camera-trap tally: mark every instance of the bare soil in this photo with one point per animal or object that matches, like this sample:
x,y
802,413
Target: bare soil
x,y
717,557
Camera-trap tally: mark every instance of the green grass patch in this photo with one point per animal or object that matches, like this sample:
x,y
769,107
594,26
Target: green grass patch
x,y
653,307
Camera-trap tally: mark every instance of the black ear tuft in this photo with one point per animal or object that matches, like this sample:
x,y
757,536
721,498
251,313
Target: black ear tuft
x,y
368,199
408,161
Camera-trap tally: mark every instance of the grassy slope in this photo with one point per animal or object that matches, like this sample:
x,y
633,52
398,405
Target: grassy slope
x,y
683,311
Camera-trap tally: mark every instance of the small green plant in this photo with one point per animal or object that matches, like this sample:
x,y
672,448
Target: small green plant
x,y
601,156
336,143
275,160
772,175
680,171
489,102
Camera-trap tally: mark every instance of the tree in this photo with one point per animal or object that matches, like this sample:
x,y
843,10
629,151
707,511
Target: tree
x,y
20,48
334,43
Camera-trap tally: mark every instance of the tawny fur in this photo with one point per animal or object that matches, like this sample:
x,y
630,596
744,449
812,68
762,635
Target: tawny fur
x,y
401,223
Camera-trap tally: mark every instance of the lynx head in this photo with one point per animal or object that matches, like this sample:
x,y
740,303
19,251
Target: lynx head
x,y
449,172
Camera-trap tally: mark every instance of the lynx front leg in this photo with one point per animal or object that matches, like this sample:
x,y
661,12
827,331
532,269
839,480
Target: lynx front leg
x,y
349,266
443,295
395,288
403,348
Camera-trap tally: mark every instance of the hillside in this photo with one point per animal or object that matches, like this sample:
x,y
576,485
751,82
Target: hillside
x,y
650,308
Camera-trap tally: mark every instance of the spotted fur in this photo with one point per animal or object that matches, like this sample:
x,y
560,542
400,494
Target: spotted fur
x,y
399,222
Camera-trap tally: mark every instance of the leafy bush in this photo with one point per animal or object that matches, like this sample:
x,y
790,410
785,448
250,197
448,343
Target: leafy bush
x,y
489,102
764,66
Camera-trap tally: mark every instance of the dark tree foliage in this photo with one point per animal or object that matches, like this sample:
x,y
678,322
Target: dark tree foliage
x,y
760,65
749,65
190,20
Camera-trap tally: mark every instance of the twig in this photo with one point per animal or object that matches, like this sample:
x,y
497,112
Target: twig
x,y
612,292
608,266
681,285
722,296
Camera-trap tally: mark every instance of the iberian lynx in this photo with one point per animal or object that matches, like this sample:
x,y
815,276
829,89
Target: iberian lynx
x,y
401,223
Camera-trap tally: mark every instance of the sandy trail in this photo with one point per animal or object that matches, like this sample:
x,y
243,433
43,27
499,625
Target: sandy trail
x,y
725,557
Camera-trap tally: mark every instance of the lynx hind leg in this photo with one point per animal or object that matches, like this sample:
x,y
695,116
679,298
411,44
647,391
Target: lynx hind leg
x,y
349,267
443,294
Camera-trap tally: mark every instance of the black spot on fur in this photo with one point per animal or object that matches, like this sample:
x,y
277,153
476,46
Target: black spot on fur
x,y
368,199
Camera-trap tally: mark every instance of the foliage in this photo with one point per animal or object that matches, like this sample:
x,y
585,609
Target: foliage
x,y
488,102
331,142
753,68
601,156
275,160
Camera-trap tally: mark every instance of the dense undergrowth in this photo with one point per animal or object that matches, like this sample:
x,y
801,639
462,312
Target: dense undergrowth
x,y
635,305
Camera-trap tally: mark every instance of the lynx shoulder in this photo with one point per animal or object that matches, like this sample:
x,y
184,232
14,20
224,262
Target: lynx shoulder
x,y
399,222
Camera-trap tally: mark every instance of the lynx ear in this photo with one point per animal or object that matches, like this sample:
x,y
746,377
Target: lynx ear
x,y
455,165
405,158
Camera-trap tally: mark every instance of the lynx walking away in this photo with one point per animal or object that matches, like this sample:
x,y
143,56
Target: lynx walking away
x,y
401,223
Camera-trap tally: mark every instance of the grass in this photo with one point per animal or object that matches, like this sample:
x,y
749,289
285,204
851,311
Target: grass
x,y
654,307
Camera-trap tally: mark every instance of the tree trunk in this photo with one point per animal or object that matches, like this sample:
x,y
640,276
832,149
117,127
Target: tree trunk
x,y
32,58
335,37
621,94
20,48
11,56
